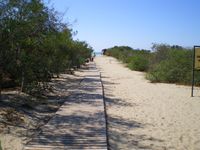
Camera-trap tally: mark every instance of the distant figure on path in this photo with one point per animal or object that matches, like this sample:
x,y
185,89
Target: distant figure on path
x,y
92,57
104,51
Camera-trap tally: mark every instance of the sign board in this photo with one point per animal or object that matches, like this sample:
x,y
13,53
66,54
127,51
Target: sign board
x,y
197,58
196,65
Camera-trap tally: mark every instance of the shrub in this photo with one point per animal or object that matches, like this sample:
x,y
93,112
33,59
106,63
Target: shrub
x,y
171,64
176,67
138,63
35,44
122,53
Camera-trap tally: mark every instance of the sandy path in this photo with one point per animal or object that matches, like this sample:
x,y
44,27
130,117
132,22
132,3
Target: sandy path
x,y
144,115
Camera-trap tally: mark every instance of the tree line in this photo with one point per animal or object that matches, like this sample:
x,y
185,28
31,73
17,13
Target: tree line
x,y
35,45
165,63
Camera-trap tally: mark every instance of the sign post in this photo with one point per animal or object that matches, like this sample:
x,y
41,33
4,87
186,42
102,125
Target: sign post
x,y
196,64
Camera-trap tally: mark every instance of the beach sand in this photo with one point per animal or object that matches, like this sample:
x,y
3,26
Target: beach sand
x,y
148,116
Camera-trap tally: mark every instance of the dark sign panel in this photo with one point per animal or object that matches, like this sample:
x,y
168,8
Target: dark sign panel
x,y
197,58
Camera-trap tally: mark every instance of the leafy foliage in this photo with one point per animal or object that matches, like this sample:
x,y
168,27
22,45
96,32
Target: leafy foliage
x,y
172,64
35,44
136,59
138,63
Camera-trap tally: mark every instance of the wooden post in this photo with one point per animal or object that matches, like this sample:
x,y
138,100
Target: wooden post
x,y
1,80
192,94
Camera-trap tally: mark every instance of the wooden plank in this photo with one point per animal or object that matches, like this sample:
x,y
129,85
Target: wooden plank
x,y
79,123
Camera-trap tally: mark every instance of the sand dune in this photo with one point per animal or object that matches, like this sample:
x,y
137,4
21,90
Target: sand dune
x,y
144,115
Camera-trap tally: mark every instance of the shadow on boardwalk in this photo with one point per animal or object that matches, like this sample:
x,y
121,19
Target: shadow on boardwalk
x,y
77,131
21,114
80,122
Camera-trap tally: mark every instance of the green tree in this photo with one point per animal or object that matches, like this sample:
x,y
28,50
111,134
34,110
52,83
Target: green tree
x,y
35,44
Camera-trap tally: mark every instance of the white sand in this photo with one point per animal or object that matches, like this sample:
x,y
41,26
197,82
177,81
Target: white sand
x,y
144,115
12,142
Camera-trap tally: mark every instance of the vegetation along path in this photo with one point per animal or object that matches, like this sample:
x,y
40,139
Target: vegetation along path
x,y
80,122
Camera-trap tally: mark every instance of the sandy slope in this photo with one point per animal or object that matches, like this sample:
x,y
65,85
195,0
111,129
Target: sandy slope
x,y
143,115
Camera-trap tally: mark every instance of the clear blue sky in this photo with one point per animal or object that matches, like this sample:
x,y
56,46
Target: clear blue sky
x,y
135,23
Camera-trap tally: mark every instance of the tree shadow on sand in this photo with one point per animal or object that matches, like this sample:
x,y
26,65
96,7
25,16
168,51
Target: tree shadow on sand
x,y
119,128
22,115
120,138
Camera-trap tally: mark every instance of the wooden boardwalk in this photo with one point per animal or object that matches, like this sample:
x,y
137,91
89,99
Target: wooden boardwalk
x,y
79,123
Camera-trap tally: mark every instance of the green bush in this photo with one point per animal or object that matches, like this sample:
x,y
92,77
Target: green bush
x,y
122,53
170,64
138,63
176,66
35,44
135,59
